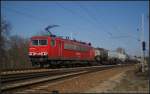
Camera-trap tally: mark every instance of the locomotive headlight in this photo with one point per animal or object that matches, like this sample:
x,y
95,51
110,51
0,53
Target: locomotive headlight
x,y
30,53
45,53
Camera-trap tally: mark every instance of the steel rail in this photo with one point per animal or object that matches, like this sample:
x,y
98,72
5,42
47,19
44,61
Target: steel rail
x,y
6,77
44,78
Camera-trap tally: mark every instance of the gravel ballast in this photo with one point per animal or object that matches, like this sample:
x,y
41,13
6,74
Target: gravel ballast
x,y
95,82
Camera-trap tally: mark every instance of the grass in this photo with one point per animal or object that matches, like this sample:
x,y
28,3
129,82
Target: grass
x,y
134,81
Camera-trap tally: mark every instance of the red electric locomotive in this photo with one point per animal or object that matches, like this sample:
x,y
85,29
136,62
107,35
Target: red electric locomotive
x,y
47,49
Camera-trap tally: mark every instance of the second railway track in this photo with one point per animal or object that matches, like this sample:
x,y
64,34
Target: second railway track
x,y
21,80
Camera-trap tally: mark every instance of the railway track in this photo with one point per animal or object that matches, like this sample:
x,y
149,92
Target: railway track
x,y
12,81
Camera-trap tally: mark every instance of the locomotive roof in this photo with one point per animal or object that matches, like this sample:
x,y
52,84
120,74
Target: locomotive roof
x,y
56,37
39,37
83,43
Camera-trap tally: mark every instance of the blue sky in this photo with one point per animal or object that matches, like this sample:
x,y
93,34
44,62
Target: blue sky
x,y
104,24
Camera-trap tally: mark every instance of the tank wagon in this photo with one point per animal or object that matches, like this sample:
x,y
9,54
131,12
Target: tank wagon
x,y
115,57
104,56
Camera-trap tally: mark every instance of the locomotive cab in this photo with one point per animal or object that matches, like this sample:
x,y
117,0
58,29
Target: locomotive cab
x,y
38,49
44,48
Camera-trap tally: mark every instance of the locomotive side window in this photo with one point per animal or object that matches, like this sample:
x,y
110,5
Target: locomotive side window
x,y
52,42
74,47
34,42
42,42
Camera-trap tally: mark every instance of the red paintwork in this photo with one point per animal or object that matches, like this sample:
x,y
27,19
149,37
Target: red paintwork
x,y
58,52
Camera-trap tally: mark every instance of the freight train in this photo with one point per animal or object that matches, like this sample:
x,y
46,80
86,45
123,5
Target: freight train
x,y
53,50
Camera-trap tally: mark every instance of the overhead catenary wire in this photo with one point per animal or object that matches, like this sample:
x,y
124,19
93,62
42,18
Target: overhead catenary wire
x,y
100,24
75,13
96,20
114,27
93,18
117,29
67,9
72,12
27,15
119,37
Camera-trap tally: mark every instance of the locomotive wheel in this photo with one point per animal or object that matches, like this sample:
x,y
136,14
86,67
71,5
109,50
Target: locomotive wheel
x,y
41,65
35,64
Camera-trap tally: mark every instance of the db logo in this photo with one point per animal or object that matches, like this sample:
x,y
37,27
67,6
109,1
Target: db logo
x,y
77,53
40,53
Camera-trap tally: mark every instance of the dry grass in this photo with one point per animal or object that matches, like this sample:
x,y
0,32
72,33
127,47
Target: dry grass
x,y
134,81
83,83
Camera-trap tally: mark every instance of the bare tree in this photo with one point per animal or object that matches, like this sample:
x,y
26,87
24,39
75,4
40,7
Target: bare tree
x,y
4,34
18,51
13,49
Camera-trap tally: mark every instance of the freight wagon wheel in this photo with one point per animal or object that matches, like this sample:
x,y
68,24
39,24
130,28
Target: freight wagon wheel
x,y
97,58
103,62
115,61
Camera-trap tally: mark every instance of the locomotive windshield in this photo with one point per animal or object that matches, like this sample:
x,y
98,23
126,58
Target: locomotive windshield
x,y
39,42
34,42
42,42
